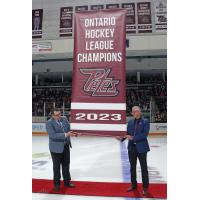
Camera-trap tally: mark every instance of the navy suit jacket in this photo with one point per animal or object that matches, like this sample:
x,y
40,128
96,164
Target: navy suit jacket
x,y
56,134
140,135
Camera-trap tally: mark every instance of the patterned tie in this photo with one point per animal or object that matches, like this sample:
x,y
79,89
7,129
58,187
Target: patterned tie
x,y
60,123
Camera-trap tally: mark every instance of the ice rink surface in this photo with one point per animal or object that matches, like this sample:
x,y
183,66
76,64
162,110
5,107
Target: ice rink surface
x,y
99,159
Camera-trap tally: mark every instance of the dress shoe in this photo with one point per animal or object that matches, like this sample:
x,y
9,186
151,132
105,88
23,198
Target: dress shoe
x,y
56,188
68,184
145,191
133,187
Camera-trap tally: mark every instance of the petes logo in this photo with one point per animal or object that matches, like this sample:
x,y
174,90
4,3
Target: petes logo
x,y
98,82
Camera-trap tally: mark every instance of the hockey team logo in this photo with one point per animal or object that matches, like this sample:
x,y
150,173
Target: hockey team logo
x,y
99,83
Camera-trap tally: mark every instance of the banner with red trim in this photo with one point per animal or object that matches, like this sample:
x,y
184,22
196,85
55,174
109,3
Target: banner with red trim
x,y
98,103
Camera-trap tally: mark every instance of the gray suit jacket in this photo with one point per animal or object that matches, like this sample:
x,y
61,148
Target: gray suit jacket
x,y
56,134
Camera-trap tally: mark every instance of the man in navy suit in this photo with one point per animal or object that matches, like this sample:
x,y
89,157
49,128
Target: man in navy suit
x,y
137,132
58,129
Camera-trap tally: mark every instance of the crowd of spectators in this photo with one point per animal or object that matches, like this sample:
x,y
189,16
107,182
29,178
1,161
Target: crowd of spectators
x,y
49,97
141,95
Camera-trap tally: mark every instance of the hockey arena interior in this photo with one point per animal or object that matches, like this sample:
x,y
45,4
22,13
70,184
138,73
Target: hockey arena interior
x,y
98,159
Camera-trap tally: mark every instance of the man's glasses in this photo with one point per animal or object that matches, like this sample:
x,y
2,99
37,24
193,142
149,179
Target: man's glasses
x,y
135,111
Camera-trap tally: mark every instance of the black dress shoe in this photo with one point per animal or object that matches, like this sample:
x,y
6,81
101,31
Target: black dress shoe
x,y
68,184
145,191
133,187
56,188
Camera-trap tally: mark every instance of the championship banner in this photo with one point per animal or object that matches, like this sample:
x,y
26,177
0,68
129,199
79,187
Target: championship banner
x,y
66,16
112,6
81,8
160,8
144,17
130,17
98,105
97,7
37,16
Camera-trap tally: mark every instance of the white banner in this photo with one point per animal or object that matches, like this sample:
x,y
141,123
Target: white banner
x,y
41,47
154,127
158,127
38,127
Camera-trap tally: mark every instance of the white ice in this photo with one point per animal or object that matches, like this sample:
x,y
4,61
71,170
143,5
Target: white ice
x,y
96,159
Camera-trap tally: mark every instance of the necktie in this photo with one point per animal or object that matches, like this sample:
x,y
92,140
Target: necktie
x,y
60,123
135,128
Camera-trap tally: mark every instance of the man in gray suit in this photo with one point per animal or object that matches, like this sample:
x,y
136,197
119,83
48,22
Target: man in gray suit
x,y
58,129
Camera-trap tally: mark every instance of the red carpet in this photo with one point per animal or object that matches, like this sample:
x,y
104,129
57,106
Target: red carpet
x,y
99,189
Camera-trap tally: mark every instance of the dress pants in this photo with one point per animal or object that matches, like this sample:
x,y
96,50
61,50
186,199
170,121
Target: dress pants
x,y
133,155
64,160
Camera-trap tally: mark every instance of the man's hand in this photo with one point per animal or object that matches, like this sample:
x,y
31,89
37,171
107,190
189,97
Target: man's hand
x,y
71,133
119,138
129,137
